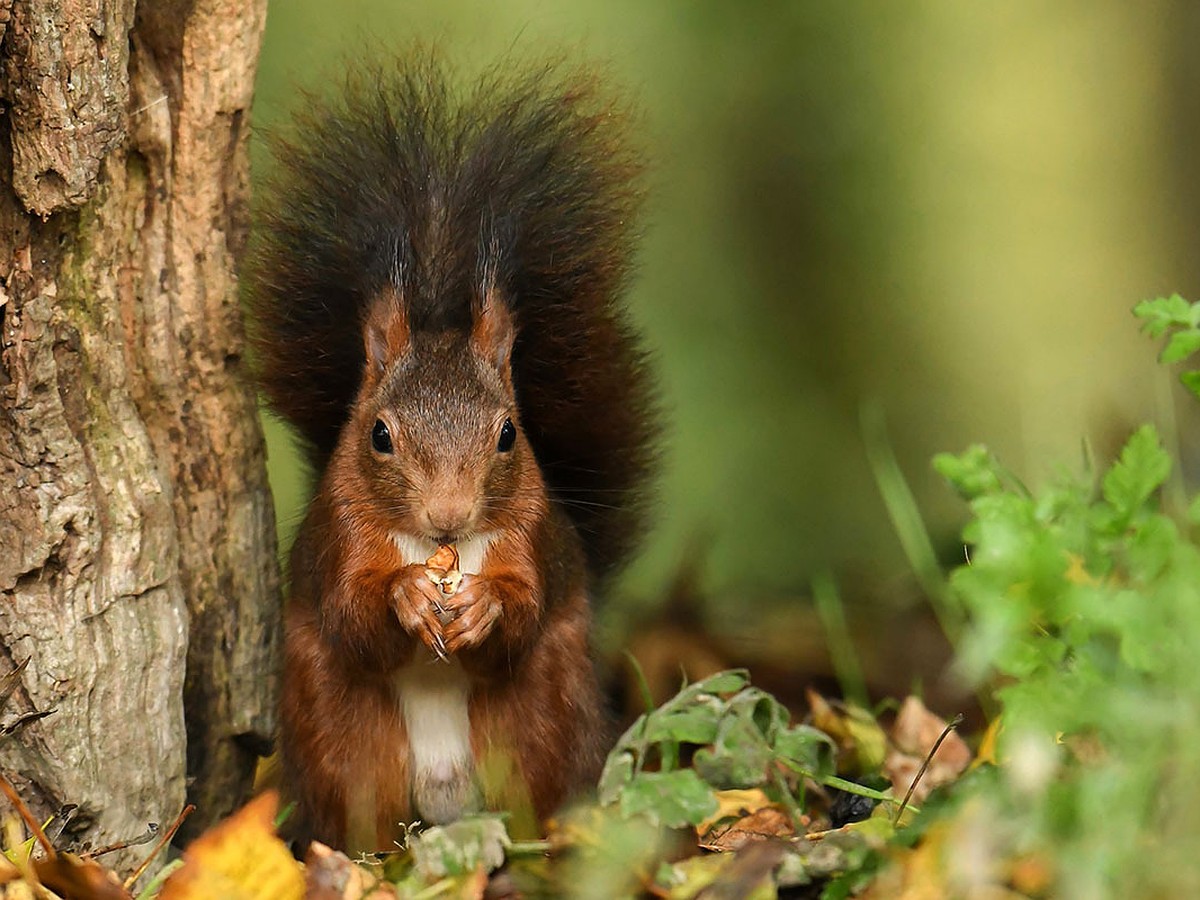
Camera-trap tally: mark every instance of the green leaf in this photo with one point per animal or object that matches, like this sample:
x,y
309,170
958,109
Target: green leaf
x,y
738,757
460,848
1163,312
809,748
1181,345
1191,380
973,473
1141,470
1152,547
696,725
673,799
618,771
728,682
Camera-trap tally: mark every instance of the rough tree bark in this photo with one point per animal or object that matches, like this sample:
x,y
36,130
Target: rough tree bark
x,y
136,529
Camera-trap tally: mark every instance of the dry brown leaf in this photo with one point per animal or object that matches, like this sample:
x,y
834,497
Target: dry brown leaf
x,y
330,875
8,872
733,804
239,859
914,733
382,891
70,876
470,887
10,680
748,872
1032,875
768,823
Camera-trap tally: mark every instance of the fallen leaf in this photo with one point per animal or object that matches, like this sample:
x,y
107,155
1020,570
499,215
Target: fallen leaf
x,y
768,823
70,876
460,848
987,745
239,859
862,742
1032,875
733,804
330,875
8,871
745,874
673,799
914,734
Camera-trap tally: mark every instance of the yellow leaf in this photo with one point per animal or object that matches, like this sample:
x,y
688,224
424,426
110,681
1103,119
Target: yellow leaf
x,y
240,859
1076,573
855,730
917,874
733,803
987,747
746,874
268,773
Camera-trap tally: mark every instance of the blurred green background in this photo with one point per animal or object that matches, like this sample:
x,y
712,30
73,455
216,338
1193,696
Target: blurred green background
x,y
942,209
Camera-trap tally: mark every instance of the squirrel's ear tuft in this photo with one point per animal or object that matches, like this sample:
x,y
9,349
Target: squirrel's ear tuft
x,y
492,331
385,335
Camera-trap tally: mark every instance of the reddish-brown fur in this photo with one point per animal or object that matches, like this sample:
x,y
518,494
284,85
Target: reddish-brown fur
x,y
435,263
355,614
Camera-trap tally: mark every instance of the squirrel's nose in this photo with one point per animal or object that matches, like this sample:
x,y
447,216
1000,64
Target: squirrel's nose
x,y
449,516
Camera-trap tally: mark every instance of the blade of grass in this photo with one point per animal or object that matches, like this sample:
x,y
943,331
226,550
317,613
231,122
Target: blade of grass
x,y
841,647
643,684
906,519
842,784
795,813
159,879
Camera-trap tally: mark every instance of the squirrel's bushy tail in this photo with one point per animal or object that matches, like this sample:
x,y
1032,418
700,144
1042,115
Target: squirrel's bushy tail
x,y
405,179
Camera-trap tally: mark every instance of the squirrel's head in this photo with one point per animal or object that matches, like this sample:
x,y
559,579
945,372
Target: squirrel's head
x,y
435,430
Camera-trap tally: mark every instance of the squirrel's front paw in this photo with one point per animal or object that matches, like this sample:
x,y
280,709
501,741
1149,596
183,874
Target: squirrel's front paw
x,y
474,609
417,602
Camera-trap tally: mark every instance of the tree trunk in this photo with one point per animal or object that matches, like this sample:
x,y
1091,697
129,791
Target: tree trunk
x,y
136,530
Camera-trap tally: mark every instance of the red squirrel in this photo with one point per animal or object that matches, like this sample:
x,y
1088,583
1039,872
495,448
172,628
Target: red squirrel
x,y
435,288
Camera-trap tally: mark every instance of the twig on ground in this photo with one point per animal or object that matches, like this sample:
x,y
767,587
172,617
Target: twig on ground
x,y
954,723
163,841
149,835
15,799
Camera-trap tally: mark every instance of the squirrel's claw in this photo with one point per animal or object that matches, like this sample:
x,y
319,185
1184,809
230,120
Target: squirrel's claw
x,y
416,604
476,610
439,648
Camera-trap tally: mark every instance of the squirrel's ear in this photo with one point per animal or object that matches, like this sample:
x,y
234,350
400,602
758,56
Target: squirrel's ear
x,y
492,332
385,334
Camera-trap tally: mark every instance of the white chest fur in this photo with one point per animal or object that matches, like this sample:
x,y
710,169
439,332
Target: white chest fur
x,y
470,552
432,696
433,700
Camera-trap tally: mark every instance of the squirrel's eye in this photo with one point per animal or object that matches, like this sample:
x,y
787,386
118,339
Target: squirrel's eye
x,y
508,436
381,438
